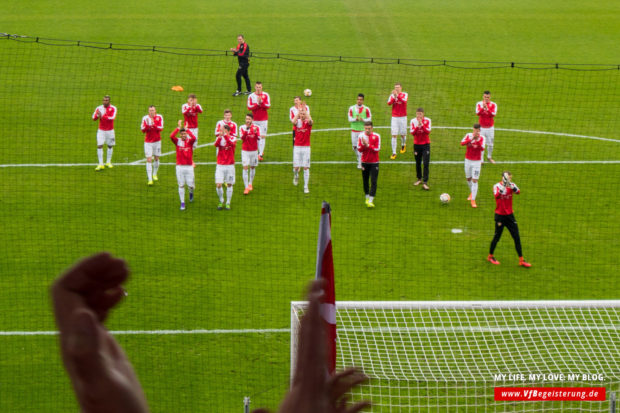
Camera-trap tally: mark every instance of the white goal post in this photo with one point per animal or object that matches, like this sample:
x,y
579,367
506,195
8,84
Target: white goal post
x,y
449,356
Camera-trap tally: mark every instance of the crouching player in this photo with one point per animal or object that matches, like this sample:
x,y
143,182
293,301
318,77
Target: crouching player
x,y
250,136
185,170
504,217
225,169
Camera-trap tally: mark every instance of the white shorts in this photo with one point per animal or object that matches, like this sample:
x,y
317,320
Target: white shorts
x,y
105,136
489,135
472,169
249,158
225,174
195,132
152,149
354,137
399,126
262,125
301,157
185,175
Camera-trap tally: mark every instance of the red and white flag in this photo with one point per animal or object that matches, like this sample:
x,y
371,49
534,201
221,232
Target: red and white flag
x,y
325,270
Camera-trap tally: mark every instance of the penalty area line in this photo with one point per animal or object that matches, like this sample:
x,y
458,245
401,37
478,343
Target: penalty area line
x,y
159,332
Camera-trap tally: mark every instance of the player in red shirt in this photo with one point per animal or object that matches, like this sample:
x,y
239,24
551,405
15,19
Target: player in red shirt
x,y
473,161
225,168
294,110
421,129
191,110
219,126
486,111
106,114
504,217
152,125
250,136
185,151
259,103
301,149
398,102
369,144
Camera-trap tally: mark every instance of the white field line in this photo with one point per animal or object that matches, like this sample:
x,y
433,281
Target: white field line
x,y
344,330
156,332
68,165
570,135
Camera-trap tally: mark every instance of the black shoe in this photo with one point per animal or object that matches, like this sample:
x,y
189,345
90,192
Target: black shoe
x,y
247,93
237,93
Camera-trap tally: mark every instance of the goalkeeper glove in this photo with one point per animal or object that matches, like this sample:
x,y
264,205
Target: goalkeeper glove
x,y
505,178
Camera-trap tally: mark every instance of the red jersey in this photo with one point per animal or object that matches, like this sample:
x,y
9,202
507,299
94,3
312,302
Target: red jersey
x,y
259,104
421,131
106,117
152,128
370,153
302,133
190,114
250,137
226,149
293,111
474,149
398,104
503,197
486,116
219,128
185,148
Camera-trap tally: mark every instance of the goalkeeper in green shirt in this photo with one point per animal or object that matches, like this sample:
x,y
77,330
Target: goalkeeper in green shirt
x,y
358,114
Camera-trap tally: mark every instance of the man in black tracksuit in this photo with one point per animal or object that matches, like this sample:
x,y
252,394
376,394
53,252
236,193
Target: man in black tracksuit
x,y
243,55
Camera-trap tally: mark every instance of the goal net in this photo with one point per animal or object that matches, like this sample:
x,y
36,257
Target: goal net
x,y
450,356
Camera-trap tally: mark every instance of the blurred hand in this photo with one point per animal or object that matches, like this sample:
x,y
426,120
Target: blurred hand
x,y
313,389
102,376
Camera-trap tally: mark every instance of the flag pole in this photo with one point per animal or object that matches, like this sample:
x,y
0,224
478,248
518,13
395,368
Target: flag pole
x,y
325,271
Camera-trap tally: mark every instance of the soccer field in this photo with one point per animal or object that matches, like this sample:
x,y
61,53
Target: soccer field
x,y
207,316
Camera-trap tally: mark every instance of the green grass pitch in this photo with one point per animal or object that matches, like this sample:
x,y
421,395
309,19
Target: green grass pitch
x,y
235,273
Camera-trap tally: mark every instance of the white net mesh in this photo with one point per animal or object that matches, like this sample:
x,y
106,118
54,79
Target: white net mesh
x,y
434,356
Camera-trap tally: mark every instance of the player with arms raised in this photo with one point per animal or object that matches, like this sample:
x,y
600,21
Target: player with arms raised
x,y
398,102
474,142
250,136
301,149
298,104
504,217
185,171
106,114
421,129
152,125
357,115
227,120
191,110
259,103
486,111
369,144
225,168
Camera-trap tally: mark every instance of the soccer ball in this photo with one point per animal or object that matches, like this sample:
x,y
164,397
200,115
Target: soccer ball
x,y
444,198
307,93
